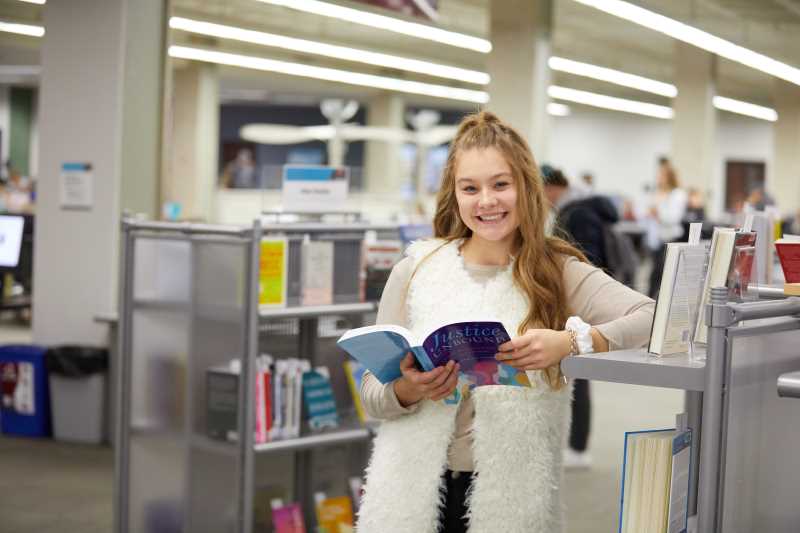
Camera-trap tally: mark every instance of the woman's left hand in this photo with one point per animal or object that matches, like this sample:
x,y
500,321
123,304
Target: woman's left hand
x,y
536,349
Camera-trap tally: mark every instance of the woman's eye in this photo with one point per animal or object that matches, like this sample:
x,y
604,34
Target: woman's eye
x,y
501,184
469,188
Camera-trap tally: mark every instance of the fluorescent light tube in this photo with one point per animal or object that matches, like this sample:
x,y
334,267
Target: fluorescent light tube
x,y
744,108
382,22
558,110
40,2
329,74
22,29
701,39
612,76
328,50
609,102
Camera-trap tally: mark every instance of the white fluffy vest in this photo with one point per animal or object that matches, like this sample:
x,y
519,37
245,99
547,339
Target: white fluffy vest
x,y
517,433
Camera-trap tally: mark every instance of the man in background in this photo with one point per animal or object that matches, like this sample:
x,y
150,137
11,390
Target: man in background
x,y
583,220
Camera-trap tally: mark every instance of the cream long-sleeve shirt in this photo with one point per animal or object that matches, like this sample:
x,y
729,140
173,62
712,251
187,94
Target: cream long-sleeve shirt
x,y
622,315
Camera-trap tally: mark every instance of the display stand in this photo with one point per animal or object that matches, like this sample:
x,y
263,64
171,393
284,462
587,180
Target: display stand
x,y
746,465
188,303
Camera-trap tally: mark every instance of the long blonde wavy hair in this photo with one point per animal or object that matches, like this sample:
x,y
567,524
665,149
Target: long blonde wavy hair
x,y
539,258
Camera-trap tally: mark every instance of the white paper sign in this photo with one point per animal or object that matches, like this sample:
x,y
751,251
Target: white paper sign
x,y
10,240
314,188
77,190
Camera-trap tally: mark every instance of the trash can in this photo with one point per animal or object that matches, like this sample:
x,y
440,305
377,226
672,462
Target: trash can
x,y
24,394
78,380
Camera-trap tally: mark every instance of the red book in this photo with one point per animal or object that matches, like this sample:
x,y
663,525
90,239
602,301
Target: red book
x,y
789,254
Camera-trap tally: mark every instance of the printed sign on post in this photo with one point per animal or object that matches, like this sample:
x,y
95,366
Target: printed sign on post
x,y
314,188
76,186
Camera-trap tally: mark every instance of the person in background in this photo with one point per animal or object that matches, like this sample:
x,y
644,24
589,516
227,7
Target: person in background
x,y
241,172
664,218
588,181
580,220
695,211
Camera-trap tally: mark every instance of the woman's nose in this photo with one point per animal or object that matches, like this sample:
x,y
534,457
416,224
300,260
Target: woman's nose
x,y
486,198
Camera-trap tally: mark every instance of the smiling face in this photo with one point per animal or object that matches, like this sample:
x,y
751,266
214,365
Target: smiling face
x,y
486,193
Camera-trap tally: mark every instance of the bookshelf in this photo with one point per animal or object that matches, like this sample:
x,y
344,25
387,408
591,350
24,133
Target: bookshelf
x,y
746,464
188,302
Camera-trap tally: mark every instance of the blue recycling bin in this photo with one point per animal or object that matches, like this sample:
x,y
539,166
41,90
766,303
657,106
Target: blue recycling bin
x,y
24,391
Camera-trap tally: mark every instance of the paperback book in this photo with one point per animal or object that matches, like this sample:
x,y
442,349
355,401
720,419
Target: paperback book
x,y
730,265
471,344
655,481
678,298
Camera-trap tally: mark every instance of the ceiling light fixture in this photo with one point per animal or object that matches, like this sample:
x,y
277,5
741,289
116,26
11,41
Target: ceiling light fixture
x,y
656,87
612,76
743,108
328,50
696,37
383,22
609,102
329,74
22,29
558,110
40,2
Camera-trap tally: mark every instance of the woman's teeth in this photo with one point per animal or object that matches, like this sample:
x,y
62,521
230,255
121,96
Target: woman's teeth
x,y
491,218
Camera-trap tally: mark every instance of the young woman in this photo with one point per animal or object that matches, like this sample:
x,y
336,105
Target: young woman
x,y
492,462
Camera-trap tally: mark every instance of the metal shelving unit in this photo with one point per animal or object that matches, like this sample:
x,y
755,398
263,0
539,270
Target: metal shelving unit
x,y
745,467
187,303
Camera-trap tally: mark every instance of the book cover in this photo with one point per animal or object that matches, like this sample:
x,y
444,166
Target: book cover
x,y
678,299
471,344
789,256
287,518
334,515
316,272
354,371
655,481
272,273
318,399
740,271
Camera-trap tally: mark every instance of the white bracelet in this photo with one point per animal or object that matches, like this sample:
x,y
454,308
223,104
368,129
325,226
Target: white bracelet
x,y
583,334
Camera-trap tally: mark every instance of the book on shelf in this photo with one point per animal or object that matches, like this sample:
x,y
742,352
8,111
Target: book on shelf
x,y
263,394
471,344
379,258
334,515
354,371
729,265
678,298
287,518
316,272
655,481
318,399
273,271
788,249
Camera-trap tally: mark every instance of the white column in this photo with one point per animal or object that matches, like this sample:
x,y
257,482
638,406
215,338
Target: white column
x,y
520,34
383,171
88,53
694,128
785,176
193,139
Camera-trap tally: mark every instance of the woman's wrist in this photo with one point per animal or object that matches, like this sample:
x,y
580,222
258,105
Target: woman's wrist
x,y
404,394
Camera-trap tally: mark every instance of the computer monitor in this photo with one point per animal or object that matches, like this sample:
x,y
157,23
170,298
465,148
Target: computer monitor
x,y
11,227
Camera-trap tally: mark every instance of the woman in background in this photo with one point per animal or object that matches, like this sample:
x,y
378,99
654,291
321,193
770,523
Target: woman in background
x,y
665,217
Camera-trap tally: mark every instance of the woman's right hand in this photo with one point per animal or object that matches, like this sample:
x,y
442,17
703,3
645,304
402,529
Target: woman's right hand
x,y
415,385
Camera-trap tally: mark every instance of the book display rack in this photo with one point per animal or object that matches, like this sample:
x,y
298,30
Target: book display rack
x,y
188,304
746,466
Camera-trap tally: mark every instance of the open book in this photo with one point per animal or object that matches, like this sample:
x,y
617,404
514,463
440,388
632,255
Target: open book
x,y
471,344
